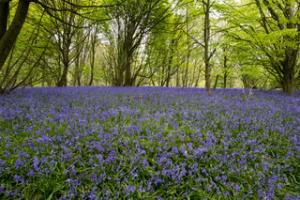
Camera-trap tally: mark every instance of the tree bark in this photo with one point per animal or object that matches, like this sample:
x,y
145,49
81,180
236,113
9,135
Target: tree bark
x,y
206,8
188,44
287,85
127,67
10,36
4,11
225,75
216,82
289,65
63,79
92,58
170,62
63,82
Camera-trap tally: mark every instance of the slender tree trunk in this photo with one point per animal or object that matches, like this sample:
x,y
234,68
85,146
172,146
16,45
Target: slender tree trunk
x,y
77,80
178,76
225,81
206,6
188,44
225,75
198,76
92,58
77,76
163,72
92,72
170,62
216,82
9,38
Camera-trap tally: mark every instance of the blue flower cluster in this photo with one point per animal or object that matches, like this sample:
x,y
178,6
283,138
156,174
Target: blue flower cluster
x,y
148,143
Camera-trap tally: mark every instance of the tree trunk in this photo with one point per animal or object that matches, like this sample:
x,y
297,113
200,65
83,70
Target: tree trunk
x,y
10,36
4,11
92,73
65,60
207,79
177,76
206,7
225,81
77,74
188,44
170,62
127,72
162,78
225,75
288,85
288,78
63,79
92,58
216,82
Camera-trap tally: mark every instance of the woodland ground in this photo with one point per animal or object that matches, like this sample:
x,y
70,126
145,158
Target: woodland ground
x,y
149,143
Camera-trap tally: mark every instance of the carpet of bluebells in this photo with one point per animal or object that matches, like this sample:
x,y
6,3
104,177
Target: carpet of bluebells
x,y
149,143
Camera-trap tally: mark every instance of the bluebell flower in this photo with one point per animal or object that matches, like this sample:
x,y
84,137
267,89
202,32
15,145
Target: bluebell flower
x,y
237,188
18,179
129,189
19,163
92,195
36,163
2,190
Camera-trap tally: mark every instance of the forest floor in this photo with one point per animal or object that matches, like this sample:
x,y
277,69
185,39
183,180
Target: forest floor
x,y
148,143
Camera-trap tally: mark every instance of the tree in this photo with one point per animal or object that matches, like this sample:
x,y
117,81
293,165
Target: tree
x,y
271,28
8,35
24,59
9,32
162,48
208,53
128,28
283,26
67,37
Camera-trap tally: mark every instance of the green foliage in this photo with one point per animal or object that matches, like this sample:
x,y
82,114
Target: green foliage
x,y
164,40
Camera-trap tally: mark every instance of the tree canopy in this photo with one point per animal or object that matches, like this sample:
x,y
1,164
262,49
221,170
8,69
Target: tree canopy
x,y
182,43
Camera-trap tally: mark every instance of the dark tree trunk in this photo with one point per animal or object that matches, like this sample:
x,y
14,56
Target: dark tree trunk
x,y
162,78
225,72
10,36
63,82
92,58
188,44
92,73
127,67
289,65
216,82
4,11
207,56
77,72
63,79
170,62
287,85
